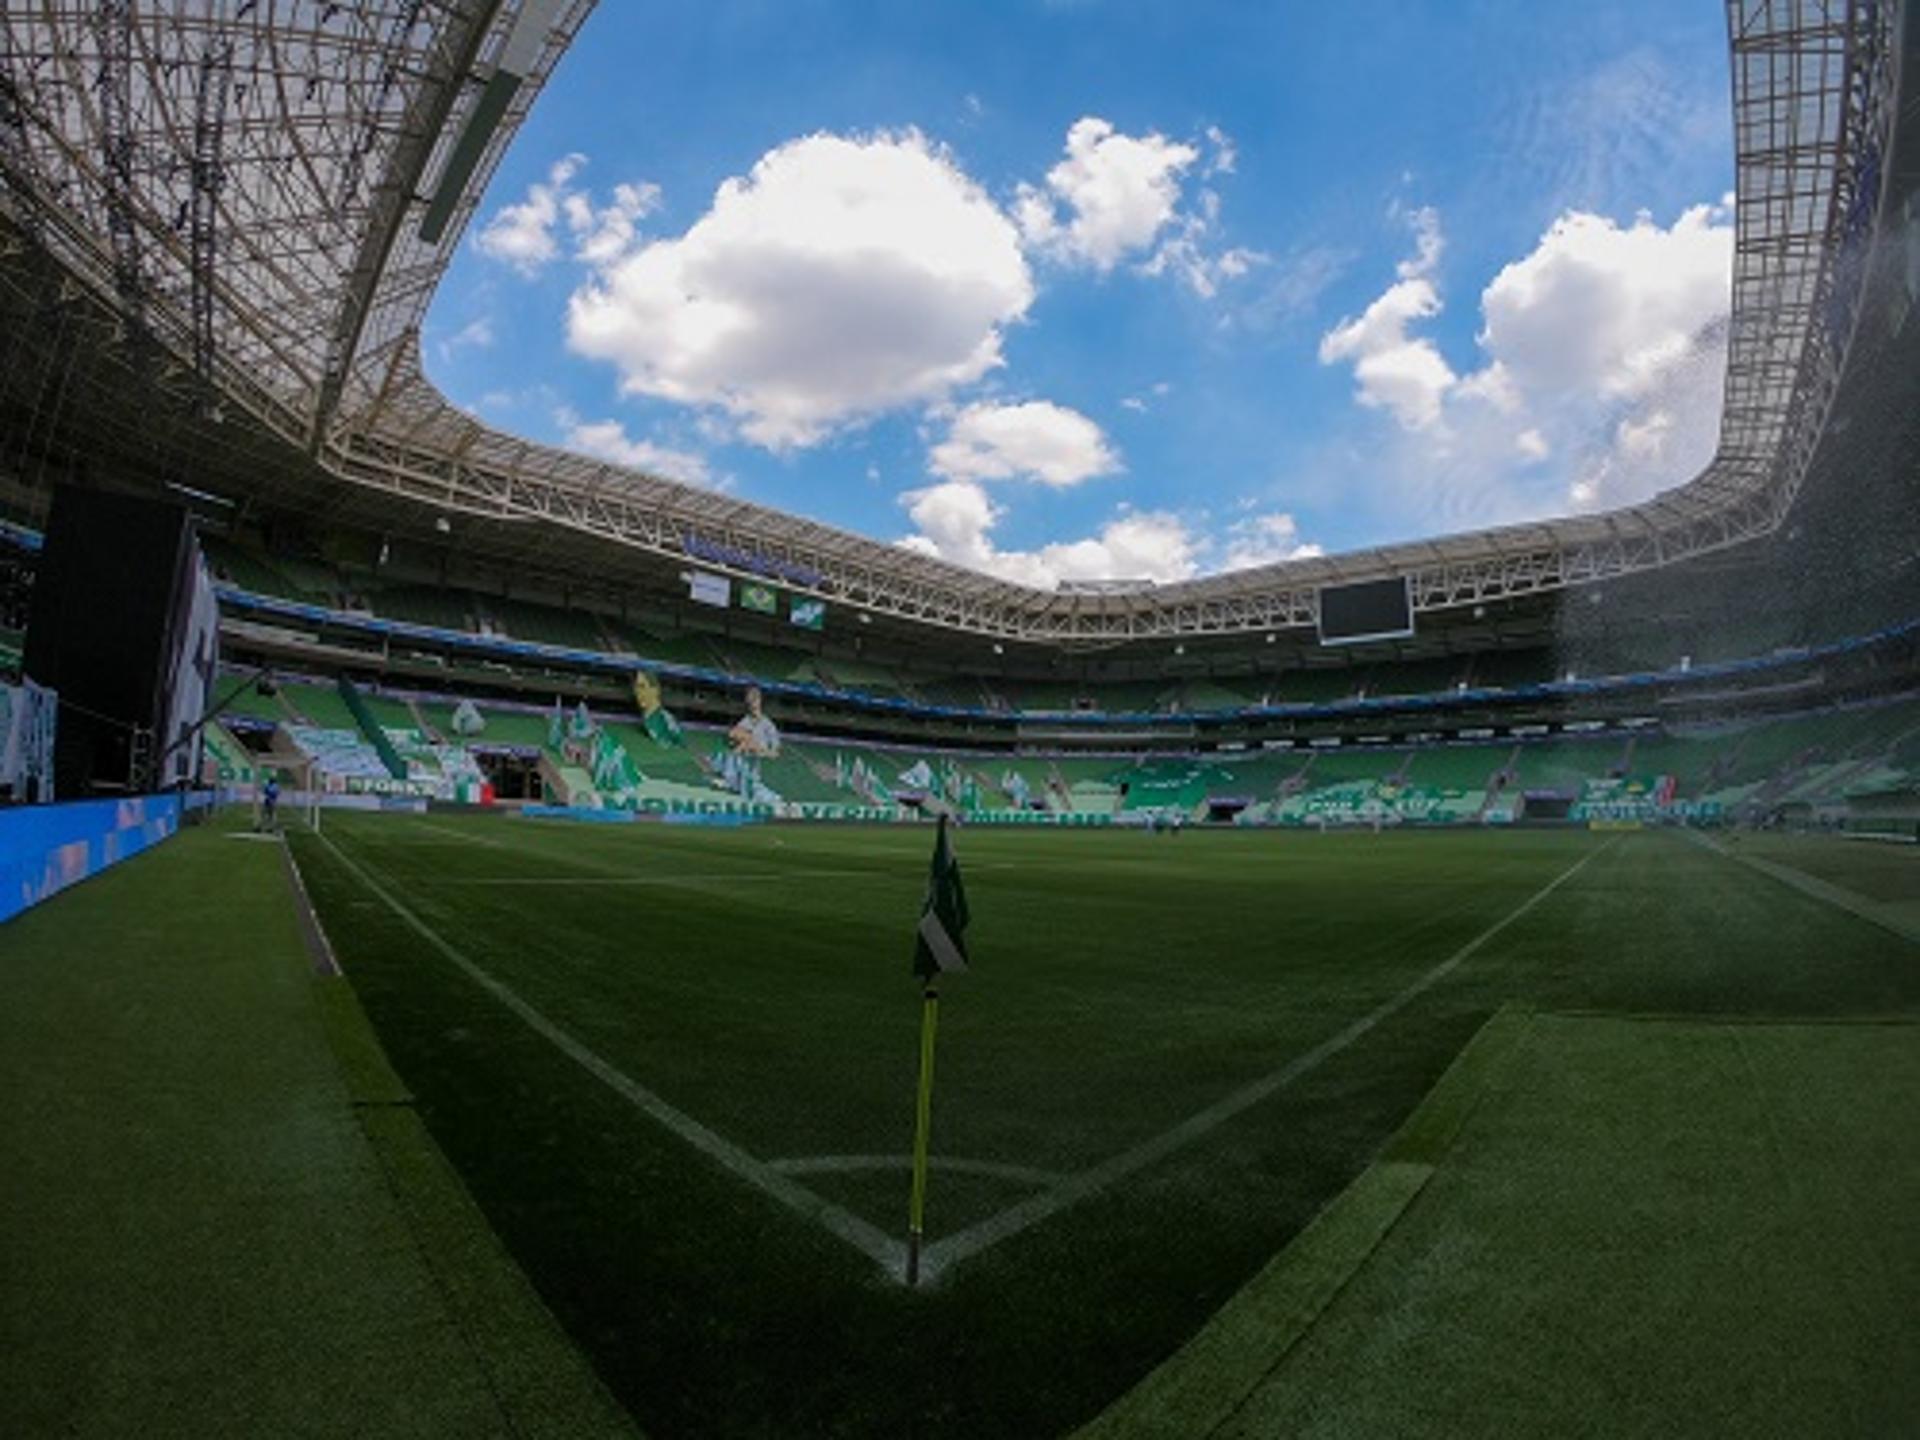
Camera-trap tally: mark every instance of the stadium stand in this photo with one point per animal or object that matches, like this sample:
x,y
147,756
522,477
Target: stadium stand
x,y
444,609
189,316
1208,694
523,620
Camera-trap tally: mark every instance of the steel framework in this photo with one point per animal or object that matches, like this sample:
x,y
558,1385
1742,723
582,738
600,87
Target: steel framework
x,y
266,193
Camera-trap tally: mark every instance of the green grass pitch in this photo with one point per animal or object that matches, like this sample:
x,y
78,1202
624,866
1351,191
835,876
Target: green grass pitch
x,y
675,1067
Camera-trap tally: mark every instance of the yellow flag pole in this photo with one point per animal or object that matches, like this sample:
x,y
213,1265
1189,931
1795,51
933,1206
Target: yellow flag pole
x,y
923,1125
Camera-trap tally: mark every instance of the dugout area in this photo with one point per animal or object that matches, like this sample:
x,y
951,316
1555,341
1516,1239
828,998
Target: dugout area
x,y
224,1213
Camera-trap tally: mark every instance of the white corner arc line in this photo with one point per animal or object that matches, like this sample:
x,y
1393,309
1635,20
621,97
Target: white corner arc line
x,y
964,1244
869,1239
848,1164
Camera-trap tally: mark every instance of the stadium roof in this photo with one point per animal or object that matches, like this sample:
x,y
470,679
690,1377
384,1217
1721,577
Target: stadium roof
x,y
266,195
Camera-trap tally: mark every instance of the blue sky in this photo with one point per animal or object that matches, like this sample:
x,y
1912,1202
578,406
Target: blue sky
x,y
1077,288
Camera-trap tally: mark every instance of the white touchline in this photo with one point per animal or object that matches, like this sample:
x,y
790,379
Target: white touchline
x,y
964,1244
864,1237
462,835
1873,914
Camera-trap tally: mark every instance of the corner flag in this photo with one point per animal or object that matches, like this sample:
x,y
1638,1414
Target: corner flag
x,y
941,946
942,941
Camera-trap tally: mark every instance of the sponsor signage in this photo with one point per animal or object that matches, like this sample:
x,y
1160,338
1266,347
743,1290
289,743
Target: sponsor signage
x,y
704,588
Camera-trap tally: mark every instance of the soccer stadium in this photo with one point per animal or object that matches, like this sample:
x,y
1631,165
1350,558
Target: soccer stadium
x,y
506,935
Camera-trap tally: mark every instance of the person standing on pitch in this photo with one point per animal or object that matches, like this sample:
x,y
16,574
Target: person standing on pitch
x,y
270,801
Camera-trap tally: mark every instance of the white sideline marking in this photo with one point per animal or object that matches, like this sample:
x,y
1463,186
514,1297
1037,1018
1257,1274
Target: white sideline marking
x,y
452,834
964,1244
868,1239
843,1164
1868,910
312,932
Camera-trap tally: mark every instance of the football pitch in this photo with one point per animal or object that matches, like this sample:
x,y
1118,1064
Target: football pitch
x,y
675,1067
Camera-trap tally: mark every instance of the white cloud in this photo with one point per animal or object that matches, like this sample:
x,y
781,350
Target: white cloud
x,y
1392,369
474,335
1037,440
1605,309
1429,243
1225,157
1184,253
1117,196
602,236
1644,439
1615,337
1265,540
1492,383
1140,404
955,521
526,235
1117,192
608,440
1605,353
841,278
522,235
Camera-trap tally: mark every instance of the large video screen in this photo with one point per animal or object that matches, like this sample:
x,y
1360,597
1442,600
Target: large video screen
x,y
1370,610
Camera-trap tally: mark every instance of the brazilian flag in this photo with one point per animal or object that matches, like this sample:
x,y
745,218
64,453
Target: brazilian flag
x,y
942,939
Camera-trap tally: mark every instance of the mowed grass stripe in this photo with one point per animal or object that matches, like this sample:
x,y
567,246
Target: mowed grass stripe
x,y
949,1252
883,1249
782,1014
1885,916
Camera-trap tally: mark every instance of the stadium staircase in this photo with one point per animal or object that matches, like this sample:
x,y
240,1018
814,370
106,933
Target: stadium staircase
x,y
794,775
421,724
1502,788
1294,783
232,763
566,784
370,728
1840,779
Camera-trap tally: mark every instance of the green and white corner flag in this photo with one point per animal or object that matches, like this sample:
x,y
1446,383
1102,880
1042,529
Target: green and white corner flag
x,y
942,941
941,946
